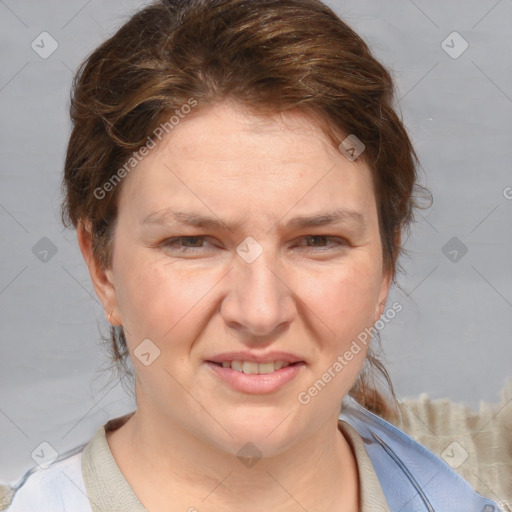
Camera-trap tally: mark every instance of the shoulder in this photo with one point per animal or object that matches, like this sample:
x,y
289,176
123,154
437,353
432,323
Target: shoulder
x,y
60,487
476,443
411,476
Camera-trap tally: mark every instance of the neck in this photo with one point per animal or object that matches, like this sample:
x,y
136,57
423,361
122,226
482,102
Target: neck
x,y
155,453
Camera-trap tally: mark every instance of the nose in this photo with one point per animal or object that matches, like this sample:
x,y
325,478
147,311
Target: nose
x,y
259,301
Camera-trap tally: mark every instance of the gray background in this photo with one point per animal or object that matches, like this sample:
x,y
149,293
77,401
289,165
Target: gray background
x,y
452,338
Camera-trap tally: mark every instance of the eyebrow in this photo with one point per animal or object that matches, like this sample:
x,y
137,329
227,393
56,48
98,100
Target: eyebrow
x,y
339,216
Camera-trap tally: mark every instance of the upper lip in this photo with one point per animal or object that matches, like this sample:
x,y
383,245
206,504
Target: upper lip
x,y
287,357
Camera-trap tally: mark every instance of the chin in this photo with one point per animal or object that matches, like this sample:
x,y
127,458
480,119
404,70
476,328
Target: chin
x,y
265,435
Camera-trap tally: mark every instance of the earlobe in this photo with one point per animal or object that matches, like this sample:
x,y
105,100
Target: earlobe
x,y
102,278
110,320
383,297
379,309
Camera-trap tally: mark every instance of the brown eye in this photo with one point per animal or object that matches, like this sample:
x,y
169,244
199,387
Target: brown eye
x,y
174,243
318,241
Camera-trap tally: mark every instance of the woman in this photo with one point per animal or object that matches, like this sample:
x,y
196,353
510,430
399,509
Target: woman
x,y
239,182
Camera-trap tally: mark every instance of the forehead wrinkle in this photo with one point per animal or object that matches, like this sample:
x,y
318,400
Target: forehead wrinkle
x,y
339,216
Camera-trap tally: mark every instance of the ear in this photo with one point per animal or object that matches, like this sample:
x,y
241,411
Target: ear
x,y
102,279
385,285
383,296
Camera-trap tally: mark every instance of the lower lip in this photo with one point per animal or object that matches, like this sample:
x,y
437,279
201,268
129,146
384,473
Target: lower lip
x,y
256,383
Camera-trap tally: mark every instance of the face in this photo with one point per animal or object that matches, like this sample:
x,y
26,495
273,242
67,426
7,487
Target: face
x,y
255,281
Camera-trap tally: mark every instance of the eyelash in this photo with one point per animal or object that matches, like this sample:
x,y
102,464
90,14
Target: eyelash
x,y
171,242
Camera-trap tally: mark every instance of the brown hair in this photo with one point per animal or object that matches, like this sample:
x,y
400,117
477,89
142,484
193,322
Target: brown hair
x,y
271,56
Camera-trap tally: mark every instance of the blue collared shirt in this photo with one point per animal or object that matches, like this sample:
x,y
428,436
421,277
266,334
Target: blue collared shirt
x,y
412,478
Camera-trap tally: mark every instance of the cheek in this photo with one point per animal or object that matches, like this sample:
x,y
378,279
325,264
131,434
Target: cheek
x,y
158,300
343,300
171,301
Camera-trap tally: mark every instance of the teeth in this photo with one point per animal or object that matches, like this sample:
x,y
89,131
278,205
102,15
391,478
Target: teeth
x,y
236,365
253,368
265,367
249,367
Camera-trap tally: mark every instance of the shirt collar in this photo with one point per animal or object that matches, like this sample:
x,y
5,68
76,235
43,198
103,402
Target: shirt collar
x,y
108,489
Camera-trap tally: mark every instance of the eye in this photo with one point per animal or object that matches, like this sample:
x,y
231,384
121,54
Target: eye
x,y
174,243
194,244
335,241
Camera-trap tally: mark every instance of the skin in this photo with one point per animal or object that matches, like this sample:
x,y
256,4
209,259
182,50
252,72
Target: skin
x,y
301,295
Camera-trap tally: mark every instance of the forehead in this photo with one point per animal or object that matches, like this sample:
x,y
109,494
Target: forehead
x,y
217,131
225,155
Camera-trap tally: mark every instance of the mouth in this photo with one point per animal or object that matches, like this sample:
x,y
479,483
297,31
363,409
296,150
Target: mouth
x,y
252,367
253,377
